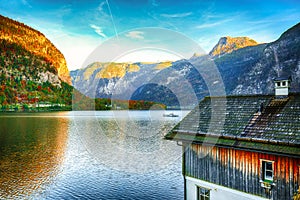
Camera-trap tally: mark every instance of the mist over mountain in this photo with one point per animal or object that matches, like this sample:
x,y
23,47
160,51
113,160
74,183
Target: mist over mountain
x,y
245,67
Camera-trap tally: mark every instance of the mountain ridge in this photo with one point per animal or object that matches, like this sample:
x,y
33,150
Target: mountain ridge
x,y
247,70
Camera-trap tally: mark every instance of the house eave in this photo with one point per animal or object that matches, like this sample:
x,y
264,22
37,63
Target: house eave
x,y
242,143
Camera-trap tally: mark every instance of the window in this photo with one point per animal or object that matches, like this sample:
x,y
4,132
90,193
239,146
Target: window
x,y
283,83
267,171
203,193
278,84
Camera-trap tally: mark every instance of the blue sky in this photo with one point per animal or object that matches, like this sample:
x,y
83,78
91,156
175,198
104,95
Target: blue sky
x,y
78,27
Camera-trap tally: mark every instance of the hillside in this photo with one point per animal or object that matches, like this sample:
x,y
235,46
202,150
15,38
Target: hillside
x,y
27,79
34,42
278,58
245,70
33,73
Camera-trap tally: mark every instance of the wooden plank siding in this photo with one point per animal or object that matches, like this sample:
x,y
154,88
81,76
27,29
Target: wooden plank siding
x,y
241,170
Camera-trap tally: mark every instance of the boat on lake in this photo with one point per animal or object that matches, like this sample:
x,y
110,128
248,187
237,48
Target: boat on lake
x,y
170,115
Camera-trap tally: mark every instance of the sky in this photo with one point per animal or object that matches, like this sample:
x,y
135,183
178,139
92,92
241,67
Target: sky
x,y
78,28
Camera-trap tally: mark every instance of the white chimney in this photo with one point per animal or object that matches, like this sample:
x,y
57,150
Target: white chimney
x,y
282,86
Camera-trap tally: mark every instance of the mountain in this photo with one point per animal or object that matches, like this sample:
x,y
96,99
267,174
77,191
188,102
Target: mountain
x,y
278,58
229,44
34,42
120,80
244,70
169,83
32,70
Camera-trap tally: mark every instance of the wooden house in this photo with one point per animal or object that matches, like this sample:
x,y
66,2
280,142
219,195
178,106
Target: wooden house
x,y
242,147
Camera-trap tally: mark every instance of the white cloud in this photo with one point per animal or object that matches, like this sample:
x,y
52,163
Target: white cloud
x,y
103,10
98,30
154,3
25,3
177,15
213,24
10,5
100,7
135,35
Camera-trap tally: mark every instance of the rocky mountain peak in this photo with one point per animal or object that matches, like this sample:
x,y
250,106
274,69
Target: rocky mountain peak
x,y
228,44
195,55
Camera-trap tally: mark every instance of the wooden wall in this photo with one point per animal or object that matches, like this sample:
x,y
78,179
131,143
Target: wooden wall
x,y
240,170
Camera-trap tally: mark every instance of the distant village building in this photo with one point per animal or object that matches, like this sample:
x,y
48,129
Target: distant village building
x,y
253,154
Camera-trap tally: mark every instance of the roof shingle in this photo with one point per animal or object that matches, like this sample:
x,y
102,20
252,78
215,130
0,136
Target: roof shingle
x,y
244,121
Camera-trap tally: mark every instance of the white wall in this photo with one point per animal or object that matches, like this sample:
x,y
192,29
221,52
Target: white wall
x,y
282,91
217,192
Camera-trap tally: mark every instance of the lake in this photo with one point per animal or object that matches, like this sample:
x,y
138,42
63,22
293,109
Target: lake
x,y
89,155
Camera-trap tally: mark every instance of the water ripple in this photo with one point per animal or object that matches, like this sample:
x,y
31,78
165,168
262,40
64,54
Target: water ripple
x,y
49,157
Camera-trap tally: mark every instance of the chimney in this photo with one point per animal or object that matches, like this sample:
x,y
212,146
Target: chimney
x,y
282,86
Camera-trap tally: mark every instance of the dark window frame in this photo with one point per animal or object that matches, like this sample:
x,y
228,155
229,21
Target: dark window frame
x,y
203,193
283,83
267,170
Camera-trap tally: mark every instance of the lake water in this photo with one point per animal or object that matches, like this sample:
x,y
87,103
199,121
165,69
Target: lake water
x,y
89,155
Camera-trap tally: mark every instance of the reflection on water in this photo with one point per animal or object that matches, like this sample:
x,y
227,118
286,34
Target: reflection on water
x,y
31,151
89,155
130,141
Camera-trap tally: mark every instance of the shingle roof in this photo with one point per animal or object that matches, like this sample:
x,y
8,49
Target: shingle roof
x,y
282,78
258,122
